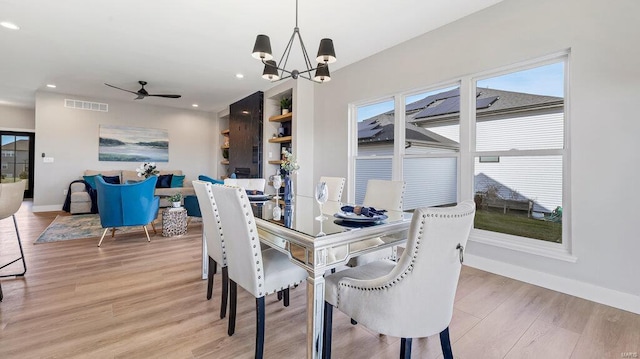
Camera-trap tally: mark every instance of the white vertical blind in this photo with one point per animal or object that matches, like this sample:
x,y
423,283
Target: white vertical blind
x,y
430,182
366,169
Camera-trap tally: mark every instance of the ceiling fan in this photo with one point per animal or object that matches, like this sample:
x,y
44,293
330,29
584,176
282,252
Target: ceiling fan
x,y
142,93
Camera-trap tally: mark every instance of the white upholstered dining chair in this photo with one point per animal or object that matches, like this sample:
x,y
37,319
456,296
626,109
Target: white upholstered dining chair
x,y
214,238
335,186
380,194
412,298
258,272
249,184
11,196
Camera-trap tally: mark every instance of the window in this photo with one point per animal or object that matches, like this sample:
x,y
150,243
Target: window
x,y
374,155
514,151
520,120
431,148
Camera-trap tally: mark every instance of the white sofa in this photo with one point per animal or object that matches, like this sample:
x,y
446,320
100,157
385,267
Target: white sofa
x,y
80,201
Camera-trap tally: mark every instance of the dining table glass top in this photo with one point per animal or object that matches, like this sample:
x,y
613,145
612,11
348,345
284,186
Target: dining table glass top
x,y
323,243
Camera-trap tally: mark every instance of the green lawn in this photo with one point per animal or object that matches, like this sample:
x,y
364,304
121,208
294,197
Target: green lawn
x,y
518,224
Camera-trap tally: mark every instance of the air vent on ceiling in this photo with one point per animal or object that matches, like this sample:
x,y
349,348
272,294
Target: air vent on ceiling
x,y
86,105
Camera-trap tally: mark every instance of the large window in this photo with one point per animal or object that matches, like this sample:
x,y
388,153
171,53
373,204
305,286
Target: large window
x,y
523,127
510,160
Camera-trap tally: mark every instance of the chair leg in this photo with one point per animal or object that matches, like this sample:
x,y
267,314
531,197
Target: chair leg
x,y
225,292
326,335
279,295
286,297
259,327
1,295
113,232
233,299
211,272
101,238
153,226
24,263
405,348
445,343
147,233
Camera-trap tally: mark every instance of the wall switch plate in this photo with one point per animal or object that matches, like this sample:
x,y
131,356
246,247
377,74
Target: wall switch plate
x,y
64,191
270,154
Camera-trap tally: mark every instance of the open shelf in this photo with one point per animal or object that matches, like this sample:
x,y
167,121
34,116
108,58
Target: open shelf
x,y
281,118
224,147
275,162
224,162
225,132
280,139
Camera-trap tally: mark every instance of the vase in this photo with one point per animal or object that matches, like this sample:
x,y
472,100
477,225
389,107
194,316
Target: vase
x,y
288,189
175,204
288,215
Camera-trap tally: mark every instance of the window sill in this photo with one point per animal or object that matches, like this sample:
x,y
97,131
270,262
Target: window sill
x,y
525,245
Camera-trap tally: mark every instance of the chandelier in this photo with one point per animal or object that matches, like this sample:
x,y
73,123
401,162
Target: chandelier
x,y
275,72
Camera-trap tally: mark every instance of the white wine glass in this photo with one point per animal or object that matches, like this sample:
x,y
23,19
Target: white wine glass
x,y
276,181
322,195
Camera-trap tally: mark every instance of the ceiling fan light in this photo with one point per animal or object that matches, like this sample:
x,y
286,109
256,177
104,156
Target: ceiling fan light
x,y
262,48
270,71
326,52
322,73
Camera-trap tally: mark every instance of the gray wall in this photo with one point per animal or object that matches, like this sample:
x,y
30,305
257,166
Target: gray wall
x,y
604,81
17,118
70,136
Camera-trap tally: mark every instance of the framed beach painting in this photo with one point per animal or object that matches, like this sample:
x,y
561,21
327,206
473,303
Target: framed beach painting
x,y
133,144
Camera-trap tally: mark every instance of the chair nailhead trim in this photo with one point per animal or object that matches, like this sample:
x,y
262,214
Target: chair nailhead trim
x,y
415,249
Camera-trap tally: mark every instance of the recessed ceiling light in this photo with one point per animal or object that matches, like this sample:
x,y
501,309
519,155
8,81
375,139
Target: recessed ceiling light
x,y
239,76
195,105
9,25
51,86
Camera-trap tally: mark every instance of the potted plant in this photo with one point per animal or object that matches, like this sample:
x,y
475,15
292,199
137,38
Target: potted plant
x,y
285,105
175,199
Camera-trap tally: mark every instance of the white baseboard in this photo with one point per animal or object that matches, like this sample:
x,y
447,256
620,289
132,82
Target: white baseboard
x,y
49,208
610,297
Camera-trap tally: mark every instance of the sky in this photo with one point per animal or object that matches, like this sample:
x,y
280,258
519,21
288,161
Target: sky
x,y
8,139
544,80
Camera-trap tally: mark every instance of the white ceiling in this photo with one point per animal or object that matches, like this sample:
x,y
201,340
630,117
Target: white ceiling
x,y
191,47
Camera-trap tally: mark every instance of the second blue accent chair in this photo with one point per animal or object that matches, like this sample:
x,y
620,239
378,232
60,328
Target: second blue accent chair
x,y
125,205
191,202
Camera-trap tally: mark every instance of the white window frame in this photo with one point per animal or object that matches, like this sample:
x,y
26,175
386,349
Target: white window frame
x,y
561,251
467,154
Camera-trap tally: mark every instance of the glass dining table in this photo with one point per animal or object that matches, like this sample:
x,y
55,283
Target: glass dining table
x,y
321,244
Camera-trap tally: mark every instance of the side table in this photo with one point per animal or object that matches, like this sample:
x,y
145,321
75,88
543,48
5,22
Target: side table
x,y
174,221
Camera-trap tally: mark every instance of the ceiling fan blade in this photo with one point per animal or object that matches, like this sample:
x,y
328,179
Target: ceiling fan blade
x,y
168,96
115,87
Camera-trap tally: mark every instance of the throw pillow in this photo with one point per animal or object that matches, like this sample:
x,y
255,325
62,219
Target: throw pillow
x,y
91,180
164,181
177,181
209,179
111,179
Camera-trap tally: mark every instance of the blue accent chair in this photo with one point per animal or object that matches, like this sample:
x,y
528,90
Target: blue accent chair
x,y
191,202
124,205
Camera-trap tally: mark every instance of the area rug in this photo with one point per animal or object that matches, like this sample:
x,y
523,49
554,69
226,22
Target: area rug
x,y
76,227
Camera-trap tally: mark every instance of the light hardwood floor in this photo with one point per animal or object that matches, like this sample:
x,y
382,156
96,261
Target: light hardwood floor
x,y
133,299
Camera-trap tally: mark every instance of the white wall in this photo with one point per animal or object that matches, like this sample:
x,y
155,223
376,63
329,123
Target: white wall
x,y
18,119
604,82
70,136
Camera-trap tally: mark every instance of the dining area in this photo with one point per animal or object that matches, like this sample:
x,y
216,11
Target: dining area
x,y
347,255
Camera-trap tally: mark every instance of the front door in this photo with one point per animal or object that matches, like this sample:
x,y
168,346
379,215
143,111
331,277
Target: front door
x,y
16,159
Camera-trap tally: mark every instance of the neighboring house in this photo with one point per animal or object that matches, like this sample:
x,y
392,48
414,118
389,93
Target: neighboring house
x,y
433,122
15,159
